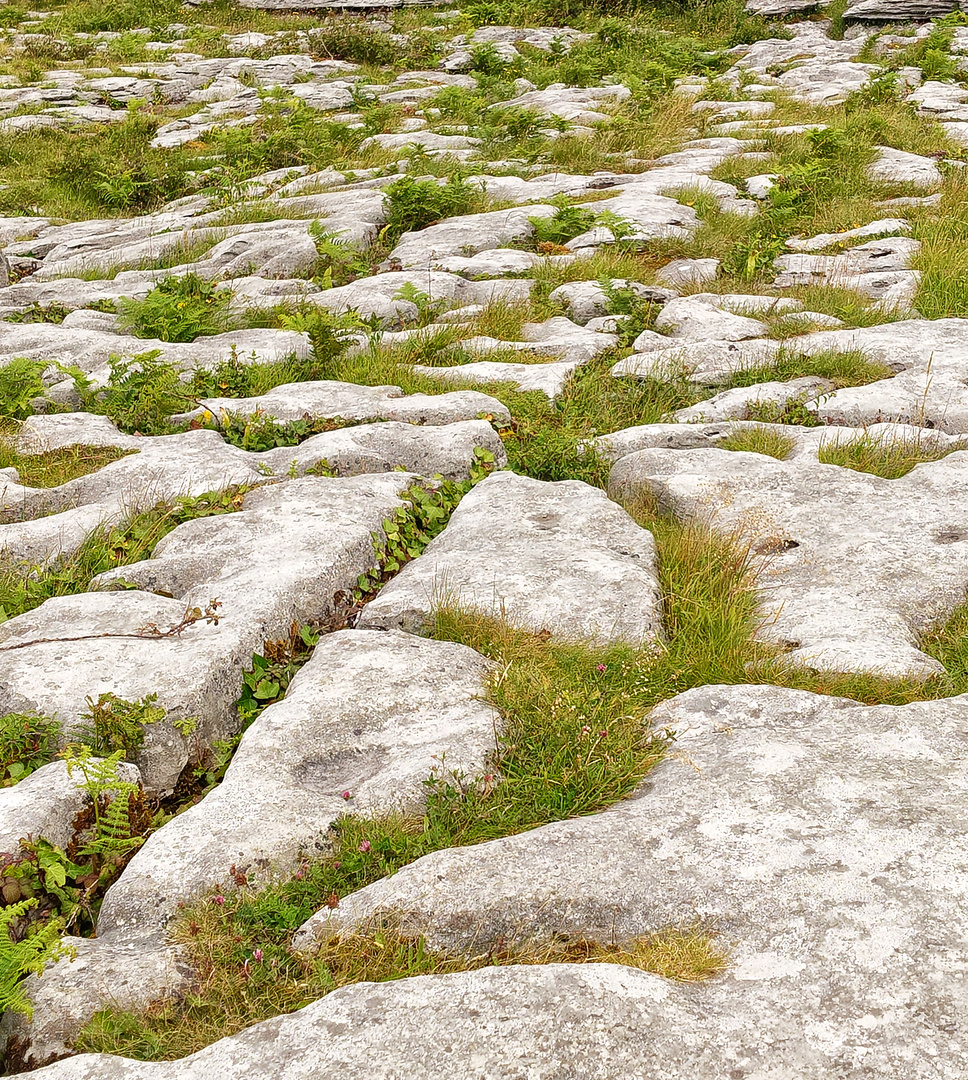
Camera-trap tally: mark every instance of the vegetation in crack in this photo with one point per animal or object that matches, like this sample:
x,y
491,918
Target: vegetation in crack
x,y
25,585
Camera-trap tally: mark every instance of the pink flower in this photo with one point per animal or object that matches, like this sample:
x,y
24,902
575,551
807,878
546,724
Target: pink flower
x,y
347,795
601,667
220,900
602,734
365,846
257,956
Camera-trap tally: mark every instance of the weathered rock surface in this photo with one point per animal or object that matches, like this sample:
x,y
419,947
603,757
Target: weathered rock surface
x,y
852,567
363,724
294,401
825,878
100,642
555,556
562,1014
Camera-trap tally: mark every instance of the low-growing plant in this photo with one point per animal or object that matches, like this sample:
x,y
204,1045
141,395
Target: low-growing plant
x,y
20,384
67,884
22,956
566,223
142,393
339,263
889,458
414,204
259,431
27,743
794,411
759,440
177,309
113,725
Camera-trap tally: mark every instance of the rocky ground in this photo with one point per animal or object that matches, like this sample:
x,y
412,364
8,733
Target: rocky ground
x,y
642,336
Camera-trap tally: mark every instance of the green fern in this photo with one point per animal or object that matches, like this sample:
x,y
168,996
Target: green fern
x,y
30,956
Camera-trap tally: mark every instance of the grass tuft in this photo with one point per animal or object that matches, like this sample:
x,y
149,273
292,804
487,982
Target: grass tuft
x,y
760,440
889,459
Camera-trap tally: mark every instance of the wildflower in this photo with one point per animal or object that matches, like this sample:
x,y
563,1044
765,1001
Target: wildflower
x,y
364,846
601,667
220,900
602,734
347,795
257,956
586,730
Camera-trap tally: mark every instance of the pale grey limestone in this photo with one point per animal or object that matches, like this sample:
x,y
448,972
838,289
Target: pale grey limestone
x,y
900,166
735,404
555,556
466,235
325,526
852,567
550,378
691,319
554,1022
293,401
371,715
447,449
821,838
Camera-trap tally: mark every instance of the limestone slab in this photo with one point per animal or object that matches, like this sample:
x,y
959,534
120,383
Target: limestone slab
x,y
820,837
852,567
324,526
556,556
293,401
371,715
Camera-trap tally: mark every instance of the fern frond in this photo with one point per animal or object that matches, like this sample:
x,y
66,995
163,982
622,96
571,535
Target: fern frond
x,y
21,958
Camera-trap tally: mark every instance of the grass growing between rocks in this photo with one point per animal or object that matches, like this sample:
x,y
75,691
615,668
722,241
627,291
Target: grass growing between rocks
x,y
54,467
25,586
241,968
887,458
574,739
759,440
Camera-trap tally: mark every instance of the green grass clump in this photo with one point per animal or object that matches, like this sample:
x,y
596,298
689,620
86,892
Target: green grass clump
x,y
888,458
25,586
54,467
848,368
760,440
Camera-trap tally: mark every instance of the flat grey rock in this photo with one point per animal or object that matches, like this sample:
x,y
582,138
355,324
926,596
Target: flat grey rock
x,y
822,839
930,388
688,271
325,527
852,567
445,449
706,363
555,556
293,401
587,300
371,714
690,319
466,235
125,974
898,10
734,404
548,378
520,1023
900,166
